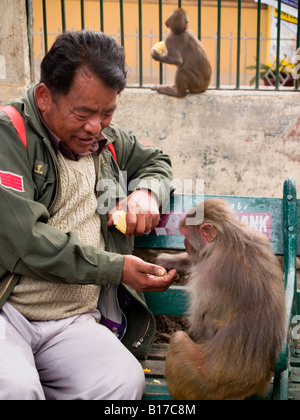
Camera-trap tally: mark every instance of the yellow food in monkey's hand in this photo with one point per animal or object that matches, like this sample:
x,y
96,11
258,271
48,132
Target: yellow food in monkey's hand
x,y
119,219
161,272
159,47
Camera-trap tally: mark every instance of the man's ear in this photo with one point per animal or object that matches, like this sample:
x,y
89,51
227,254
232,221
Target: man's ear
x,y
43,96
208,232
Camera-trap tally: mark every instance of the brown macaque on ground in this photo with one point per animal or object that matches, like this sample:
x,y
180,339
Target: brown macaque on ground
x,y
186,52
237,308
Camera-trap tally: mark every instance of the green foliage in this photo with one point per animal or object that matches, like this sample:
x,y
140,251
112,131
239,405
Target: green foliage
x,y
285,68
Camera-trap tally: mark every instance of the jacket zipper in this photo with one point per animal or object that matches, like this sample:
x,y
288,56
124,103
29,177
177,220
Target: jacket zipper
x,y
139,342
56,189
99,176
125,329
7,286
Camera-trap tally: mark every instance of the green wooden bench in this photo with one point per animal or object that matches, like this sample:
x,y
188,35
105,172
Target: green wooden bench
x,y
277,219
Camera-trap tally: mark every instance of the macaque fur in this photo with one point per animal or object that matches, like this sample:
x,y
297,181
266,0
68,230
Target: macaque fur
x,y
186,52
237,309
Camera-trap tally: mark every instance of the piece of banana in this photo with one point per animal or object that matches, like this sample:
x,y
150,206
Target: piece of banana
x,y
161,272
119,219
159,47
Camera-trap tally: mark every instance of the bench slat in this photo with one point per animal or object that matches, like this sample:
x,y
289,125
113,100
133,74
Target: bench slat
x,y
153,368
158,351
156,389
173,301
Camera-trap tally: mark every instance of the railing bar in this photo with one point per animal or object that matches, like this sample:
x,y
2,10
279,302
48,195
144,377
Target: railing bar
x,y
160,24
216,52
238,49
278,43
82,14
101,16
218,63
136,56
140,43
63,15
297,44
199,19
165,67
230,56
204,37
45,26
151,61
122,21
258,44
298,29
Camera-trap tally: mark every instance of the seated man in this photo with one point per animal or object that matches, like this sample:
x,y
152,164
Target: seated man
x,y
72,312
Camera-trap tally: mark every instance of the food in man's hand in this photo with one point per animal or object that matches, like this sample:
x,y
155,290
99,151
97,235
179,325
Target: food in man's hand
x,y
119,219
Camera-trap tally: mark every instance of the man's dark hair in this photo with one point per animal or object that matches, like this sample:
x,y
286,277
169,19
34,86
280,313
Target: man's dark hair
x,y
97,51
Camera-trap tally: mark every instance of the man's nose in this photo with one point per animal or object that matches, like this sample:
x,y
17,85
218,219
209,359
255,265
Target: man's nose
x,y
93,125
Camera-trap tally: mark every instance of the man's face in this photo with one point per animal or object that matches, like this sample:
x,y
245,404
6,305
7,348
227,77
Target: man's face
x,y
78,117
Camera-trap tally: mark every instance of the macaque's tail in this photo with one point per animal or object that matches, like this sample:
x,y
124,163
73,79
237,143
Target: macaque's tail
x,y
195,372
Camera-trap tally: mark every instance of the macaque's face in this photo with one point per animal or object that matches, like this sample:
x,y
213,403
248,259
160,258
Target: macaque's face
x,y
192,238
197,236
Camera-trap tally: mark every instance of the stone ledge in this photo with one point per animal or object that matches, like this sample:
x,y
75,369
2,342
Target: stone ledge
x,y
240,142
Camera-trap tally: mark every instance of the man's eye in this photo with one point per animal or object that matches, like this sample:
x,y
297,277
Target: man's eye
x,y
107,116
82,117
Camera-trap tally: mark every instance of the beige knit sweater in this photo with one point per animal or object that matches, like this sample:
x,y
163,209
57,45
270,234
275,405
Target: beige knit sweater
x,y
75,211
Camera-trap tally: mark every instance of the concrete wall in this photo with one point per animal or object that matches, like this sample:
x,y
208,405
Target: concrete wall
x,y
239,142
14,50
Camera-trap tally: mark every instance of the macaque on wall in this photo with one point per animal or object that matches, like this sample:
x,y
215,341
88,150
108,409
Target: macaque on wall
x,y
185,51
237,308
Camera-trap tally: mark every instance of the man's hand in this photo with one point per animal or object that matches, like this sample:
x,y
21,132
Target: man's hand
x,y
142,212
142,276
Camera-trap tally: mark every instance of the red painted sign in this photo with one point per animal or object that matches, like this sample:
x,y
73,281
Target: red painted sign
x,y
261,222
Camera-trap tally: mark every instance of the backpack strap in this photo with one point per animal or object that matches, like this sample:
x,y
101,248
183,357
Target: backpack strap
x,y
17,121
111,148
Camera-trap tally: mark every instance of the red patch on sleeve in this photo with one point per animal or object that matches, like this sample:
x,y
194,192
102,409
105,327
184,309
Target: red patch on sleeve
x,y
11,181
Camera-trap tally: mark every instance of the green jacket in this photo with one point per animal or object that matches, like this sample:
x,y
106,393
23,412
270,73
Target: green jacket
x,y
29,186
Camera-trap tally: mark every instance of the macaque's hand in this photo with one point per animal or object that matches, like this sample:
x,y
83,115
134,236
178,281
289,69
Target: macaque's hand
x,y
145,277
142,212
155,55
165,260
173,261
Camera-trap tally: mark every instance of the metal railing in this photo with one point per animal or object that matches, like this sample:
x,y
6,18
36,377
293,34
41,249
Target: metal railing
x,y
239,65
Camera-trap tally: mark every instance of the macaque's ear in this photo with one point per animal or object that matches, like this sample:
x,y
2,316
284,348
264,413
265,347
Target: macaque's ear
x,y
208,232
